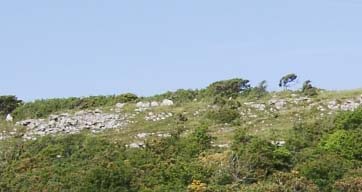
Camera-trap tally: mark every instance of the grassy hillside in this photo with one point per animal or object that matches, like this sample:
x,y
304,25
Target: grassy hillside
x,y
226,137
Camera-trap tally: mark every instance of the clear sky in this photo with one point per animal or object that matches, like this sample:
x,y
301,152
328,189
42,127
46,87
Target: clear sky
x,y
62,48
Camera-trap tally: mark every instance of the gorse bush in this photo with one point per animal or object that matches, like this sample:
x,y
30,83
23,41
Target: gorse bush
x,y
84,162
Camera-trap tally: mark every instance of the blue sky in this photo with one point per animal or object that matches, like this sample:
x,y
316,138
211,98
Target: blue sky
x,y
87,47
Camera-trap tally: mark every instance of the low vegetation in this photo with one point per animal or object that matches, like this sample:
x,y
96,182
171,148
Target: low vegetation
x,y
301,151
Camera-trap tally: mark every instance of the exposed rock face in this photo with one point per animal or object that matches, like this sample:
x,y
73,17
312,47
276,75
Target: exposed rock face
x,y
347,105
95,121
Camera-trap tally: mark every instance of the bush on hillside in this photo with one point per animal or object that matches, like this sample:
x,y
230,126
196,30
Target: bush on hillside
x,y
258,91
325,169
255,158
308,89
347,144
349,120
228,88
43,108
179,96
8,104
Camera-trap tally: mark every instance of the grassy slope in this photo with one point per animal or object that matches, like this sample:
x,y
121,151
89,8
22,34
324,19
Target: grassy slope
x,y
262,123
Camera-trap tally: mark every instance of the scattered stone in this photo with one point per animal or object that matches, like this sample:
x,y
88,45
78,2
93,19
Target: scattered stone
x,y
278,103
95,121
157,117
142,135
136,145
120,105
143,104
260,107
166,102
154,104
278,143
9,118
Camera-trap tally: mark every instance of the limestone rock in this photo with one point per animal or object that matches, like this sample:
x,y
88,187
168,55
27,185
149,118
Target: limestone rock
x,y
154,104
95,121
167,102
9,118
120,105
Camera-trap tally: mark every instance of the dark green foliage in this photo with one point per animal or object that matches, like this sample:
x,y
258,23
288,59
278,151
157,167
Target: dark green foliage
x,y
347,144
257,158
308,134
308,89
349,120
228,88
325,169
287,79
43,108
64,163
89,163
179,96
8,104
223,115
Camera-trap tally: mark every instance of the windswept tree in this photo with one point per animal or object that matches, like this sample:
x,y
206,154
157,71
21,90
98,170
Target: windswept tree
x,y
287,80
229,88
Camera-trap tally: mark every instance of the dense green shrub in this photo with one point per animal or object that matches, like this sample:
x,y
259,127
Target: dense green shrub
x,y
349,120
179,96
308,89
325,169
8,104
344,143
223,115
258,158
228,88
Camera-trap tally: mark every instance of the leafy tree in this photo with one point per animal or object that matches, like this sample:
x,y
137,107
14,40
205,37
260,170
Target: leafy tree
x,y
229,88
287,80
8,104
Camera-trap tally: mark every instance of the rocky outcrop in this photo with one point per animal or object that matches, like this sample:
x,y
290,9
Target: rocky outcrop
x,y
65,123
